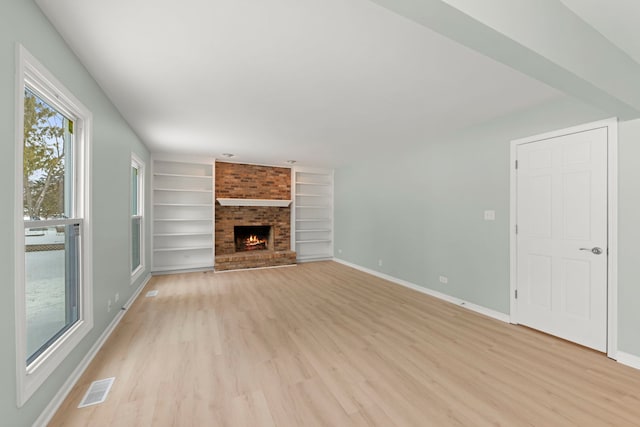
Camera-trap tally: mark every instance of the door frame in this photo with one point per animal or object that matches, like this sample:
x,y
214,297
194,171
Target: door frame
x,y
612,222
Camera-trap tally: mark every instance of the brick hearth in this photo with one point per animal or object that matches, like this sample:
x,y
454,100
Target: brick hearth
x,y
241,181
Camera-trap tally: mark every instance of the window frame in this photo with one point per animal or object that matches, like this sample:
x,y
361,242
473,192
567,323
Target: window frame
x,y
136,162
31,73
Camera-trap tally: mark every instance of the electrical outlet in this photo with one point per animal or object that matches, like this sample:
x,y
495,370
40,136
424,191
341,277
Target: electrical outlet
x,y
379,263
443,279
117,298
489,215
109,306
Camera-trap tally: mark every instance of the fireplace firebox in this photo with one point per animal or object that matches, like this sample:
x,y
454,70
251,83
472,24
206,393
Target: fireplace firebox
x,y
252,238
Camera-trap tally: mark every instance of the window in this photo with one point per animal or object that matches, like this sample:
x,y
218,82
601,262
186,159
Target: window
x,y
53,238
137,212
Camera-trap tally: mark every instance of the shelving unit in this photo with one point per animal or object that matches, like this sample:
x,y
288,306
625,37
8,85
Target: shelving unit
x,y
313,214
183,206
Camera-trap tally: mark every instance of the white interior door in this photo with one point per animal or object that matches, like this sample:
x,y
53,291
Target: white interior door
x,y
561,240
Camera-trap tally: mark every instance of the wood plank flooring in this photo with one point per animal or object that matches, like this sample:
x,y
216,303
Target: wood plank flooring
x,y
321,344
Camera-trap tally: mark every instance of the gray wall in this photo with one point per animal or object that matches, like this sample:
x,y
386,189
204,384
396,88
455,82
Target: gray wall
x,y
113,141
628,237
421,211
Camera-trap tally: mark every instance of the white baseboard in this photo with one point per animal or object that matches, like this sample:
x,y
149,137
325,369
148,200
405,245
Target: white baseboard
x,y
64,391
254,268
462,303
628,359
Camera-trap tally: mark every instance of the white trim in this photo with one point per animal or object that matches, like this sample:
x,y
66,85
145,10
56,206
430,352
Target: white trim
x,y
513,258
253,268
628,359
137,162
314,259
182,271
292,211
612,271
253,202
444,297
270,165
52,222
50,410
612,201
30,71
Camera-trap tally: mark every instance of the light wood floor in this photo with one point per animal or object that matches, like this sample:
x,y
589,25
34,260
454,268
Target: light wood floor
x,y
321,344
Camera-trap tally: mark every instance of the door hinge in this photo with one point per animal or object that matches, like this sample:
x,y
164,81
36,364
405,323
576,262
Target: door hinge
x,y
516,294
516,228
516,164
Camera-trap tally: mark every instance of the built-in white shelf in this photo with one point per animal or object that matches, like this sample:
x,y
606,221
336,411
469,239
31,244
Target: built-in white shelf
x,y
202,205
322,184
195,248
181,234
182,219
313,214
182,175
183,213
253,202
183,190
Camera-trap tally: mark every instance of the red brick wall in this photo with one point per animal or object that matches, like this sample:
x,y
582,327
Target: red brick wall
x,y
241,181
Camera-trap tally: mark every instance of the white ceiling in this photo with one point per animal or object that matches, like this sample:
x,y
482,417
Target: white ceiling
x,y
324,82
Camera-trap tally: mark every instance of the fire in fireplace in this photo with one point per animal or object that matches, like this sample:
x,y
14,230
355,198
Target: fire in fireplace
x,y
252,238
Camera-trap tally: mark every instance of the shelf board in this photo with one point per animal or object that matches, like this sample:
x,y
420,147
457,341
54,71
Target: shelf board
x,y
179,190
195,205
317,230
182,234
313,207
193,248
321,184
183,219
317,173
253,202
312,219
178,175
311,195
314,241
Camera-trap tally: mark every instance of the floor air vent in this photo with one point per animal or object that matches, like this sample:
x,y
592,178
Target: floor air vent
x,y
97,392
152,293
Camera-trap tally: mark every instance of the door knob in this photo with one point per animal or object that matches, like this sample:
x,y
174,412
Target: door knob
x,y
595,251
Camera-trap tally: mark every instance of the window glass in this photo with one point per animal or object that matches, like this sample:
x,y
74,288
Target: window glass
x,y
135,243
137,169
134,191
47,147
51,241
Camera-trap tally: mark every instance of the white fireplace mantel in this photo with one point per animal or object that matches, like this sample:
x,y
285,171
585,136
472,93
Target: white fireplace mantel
x,y
253,202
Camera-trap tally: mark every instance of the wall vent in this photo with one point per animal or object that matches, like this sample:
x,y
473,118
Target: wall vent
x,y
97,393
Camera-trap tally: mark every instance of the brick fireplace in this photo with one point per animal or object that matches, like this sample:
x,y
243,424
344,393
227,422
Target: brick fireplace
x,y
258,185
